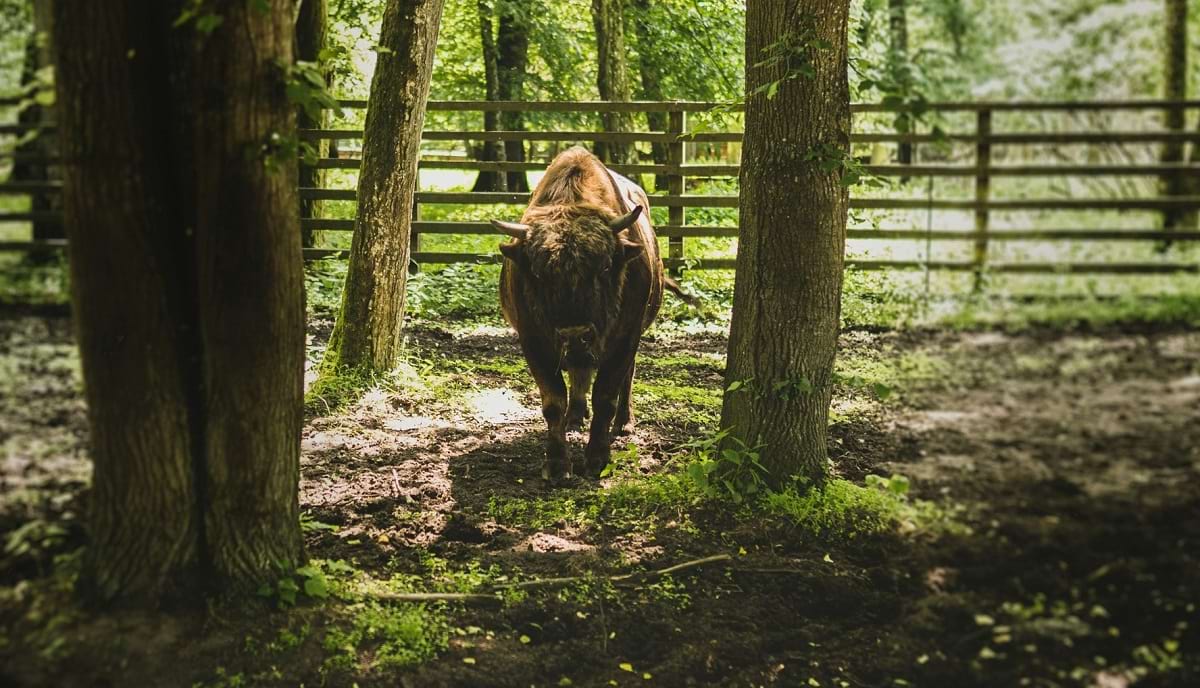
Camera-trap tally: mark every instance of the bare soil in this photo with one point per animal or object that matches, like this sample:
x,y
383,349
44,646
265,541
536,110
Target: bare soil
x,y
1073,457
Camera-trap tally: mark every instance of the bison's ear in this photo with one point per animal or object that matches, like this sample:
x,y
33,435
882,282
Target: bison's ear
x,y
512,251
627,249
625,221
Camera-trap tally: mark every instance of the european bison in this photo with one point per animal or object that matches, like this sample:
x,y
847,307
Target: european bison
x,y
582,279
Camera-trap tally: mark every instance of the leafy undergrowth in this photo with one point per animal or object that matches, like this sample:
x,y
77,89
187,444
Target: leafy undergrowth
x,y
1005,510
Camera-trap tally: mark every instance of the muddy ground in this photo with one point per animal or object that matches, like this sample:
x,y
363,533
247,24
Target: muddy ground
x,y
1056,541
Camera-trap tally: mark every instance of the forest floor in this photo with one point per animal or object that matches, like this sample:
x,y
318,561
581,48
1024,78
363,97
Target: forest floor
x,y
1050,535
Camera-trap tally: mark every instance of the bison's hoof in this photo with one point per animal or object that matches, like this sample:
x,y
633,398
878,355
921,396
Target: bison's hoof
x,y
625,428
556,466
596,460
576,415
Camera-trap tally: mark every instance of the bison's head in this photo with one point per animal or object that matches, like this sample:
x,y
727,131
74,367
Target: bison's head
x,y
572,258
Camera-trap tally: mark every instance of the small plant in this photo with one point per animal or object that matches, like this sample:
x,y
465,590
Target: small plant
x,y
308,580
732,471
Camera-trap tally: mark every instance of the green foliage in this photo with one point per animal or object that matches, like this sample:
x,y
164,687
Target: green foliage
x,y
386,635
723,467
308,580
840,509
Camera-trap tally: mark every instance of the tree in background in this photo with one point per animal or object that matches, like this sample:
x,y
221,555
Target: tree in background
x,y
651,83
505,54
512,62
312,20
1175,76
30,165
490,151
793,209
898,63
612,77
187,288
366,335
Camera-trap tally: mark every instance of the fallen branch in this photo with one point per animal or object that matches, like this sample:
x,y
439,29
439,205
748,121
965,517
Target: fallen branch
x,y
436,597
621,579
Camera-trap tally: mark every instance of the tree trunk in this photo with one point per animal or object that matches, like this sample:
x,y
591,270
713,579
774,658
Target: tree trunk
x,y
790,245
898,57
187,286
1175,76
367,333
312,20
612,78
490,151
651,86
512,63
30,164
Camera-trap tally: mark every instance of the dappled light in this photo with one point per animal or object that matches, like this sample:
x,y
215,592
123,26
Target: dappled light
x,y
473,343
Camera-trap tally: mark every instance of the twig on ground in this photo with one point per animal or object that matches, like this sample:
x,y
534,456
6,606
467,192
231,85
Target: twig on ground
x,y
436,597
626,578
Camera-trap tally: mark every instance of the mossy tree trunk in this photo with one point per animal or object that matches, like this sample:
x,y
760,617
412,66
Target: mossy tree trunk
x,y
187,290
367,333
612,77
791,242
312,21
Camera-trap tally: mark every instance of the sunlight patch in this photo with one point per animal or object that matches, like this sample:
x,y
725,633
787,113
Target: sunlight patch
x,y
499,405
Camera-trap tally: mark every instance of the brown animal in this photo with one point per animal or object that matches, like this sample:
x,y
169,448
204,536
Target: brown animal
x,y
582,279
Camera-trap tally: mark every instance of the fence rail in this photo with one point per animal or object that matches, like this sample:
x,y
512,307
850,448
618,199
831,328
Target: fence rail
x,y
671,165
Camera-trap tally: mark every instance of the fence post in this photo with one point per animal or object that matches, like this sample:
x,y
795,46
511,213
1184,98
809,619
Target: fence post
x,y
676,124
983,162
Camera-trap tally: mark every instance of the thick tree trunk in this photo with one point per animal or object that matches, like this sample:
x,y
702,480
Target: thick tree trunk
x,y
490,151
1175,75
367,332
612,78
187,285
898,33
790,245
30,164
312,20
651,72
511,66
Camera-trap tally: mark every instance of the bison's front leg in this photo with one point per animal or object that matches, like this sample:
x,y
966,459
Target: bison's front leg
x,y
609,381
554,408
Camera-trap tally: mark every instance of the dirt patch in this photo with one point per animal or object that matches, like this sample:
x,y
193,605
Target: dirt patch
x,y
1073,457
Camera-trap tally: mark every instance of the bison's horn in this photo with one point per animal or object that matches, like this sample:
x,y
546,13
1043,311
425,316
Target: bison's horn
x,y
627,220
515,230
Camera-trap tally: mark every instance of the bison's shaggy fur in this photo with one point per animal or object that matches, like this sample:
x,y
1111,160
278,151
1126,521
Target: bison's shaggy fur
x,y
582,279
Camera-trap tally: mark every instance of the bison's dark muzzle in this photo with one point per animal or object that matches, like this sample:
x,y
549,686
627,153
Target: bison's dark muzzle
x,y
578,345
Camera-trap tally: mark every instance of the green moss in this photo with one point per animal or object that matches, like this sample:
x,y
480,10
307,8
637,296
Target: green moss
x,y
390,635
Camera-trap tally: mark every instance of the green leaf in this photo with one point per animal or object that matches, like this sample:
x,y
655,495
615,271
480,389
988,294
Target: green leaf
x,y
208,23
881,390
625,666
734,386
772,89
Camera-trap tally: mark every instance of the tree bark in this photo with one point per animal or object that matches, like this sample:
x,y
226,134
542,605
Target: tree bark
x,y
187,285
612,78
1175,74
787,296
511,66
490,151
367,333
30,164
651,72
312,20
898,48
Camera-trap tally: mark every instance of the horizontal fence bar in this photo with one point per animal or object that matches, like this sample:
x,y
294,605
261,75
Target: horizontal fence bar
x,y
715,201
693,106
1062,138
724,232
